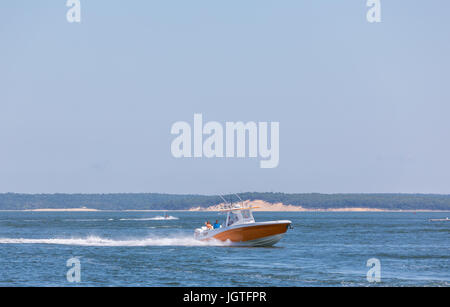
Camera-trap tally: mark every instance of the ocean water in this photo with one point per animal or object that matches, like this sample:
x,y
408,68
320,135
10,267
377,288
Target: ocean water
x,y
141,249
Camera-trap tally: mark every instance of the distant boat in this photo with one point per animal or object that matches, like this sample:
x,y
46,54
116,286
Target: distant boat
x,y
440,220
168,217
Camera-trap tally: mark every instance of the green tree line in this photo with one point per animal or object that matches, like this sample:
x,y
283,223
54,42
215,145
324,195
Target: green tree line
x,y
157,201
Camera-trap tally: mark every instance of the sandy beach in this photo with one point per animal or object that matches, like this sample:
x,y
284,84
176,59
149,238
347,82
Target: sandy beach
x,y
83,209
258,205
280,207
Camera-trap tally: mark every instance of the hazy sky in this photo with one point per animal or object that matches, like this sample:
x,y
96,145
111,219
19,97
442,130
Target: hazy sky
x,y
88,107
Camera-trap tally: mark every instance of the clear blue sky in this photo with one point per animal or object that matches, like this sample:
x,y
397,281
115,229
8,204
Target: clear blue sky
x,y
88,107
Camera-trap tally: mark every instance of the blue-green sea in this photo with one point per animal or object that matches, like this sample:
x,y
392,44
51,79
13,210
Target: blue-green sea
x,y
141,249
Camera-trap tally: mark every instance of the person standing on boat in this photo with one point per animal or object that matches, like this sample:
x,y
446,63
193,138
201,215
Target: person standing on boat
x,y
208,225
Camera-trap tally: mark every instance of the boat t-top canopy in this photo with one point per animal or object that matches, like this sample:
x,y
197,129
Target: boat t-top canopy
x,y
237,213
236,209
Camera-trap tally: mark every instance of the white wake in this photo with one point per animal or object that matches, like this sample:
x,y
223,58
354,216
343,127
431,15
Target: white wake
x,y
99,241
156,218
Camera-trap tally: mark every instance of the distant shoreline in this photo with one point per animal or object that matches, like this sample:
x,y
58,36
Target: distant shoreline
x,y
257,205
261,205
374,210
343,210
308,202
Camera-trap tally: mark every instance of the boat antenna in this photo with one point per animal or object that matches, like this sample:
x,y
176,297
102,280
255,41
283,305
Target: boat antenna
x,y
226,202
240,199
223,198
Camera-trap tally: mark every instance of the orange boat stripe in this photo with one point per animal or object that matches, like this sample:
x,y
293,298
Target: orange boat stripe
x,y
251,232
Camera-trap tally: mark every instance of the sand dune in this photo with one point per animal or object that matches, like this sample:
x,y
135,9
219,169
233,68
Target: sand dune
x,y
260,204
82,209
266,206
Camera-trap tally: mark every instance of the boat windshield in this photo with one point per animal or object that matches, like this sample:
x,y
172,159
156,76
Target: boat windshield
x,y
240,217
246,214
233,218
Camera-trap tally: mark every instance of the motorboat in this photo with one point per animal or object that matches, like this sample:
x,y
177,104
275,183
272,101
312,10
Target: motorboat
x,y
241,229
440,220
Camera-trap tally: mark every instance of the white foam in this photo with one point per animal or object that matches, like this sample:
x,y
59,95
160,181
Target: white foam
x,y
98,241
83,220
156,218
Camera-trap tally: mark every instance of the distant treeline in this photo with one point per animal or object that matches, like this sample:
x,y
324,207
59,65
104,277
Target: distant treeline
x,y
155,201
